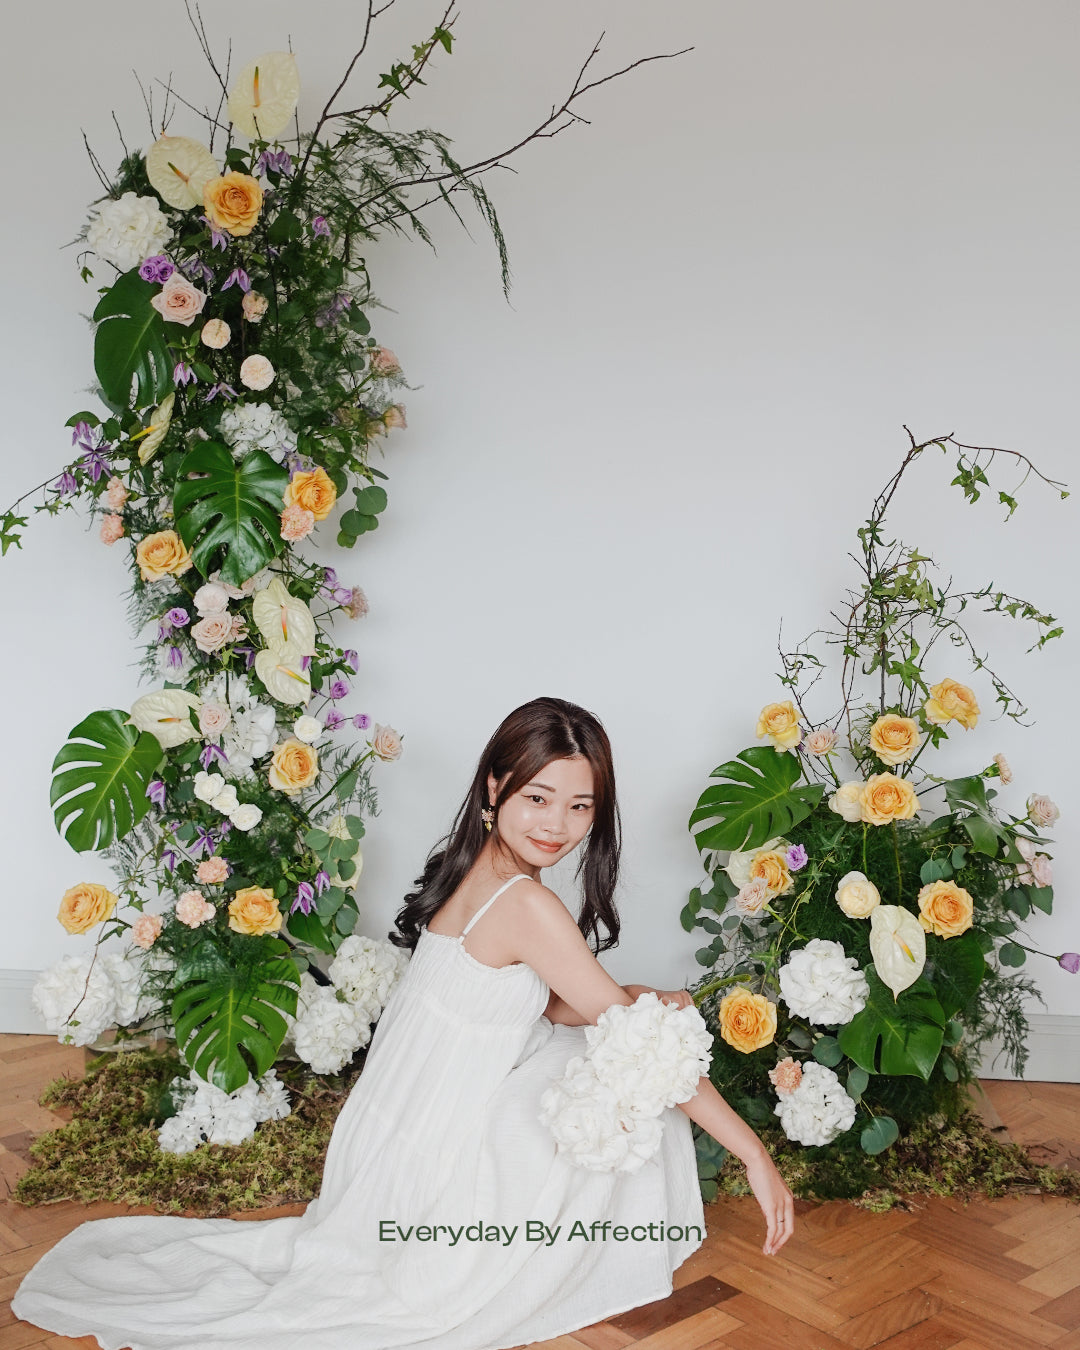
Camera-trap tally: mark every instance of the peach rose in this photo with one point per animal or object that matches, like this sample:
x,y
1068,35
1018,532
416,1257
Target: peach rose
x,y
254,911
117,494
254,305
162,555
747,1021
780,722
112,529
945,909
386,743
179,301
84,905
213,632
146,930
820,742
256,372
294,766
296,523
212,871
772,868
233,202
787,1075
885,798
894,739
951,702
313,490
215,333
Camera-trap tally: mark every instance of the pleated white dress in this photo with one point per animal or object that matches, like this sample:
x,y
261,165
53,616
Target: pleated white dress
x,y
441,1129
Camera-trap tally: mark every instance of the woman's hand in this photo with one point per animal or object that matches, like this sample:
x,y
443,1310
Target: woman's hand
x,y
682,998
776,1201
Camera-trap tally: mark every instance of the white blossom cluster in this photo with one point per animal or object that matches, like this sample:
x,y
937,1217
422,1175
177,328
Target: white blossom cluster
x,y
77,1012
252,730
818,1109
126,230
603,1112
249,426
210,1114
333,1021
824,985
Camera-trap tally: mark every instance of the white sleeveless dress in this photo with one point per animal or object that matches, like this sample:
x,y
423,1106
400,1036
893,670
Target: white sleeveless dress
x,y
441,1129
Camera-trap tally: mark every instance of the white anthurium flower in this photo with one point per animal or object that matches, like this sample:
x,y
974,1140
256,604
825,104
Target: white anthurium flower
x,y
165,713
283,620
179,168
264,96
898,946
155,433
282,674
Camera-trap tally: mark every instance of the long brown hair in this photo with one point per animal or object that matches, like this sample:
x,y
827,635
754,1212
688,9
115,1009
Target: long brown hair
x,y
530,737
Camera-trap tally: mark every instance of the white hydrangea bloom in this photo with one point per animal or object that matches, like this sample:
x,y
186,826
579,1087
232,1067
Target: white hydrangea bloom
x,y
366,970
130,1003
176,674
327,1032
208,1113
818,1110
822,984
589,1123
247,425
251,734
124,231
64,985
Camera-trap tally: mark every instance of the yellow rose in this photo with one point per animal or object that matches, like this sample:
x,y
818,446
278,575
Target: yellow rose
x,y
233,202
894,739
84,905
951,702
313,491
780,722
162,555
254,911
294,766
747,1021
772,868
885,797
945,909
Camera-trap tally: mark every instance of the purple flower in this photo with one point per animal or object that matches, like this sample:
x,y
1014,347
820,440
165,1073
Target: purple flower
x,y
96,463
178,616
83,436
225,390
223,831
157,268
156,793
239,278
343,595
183,374
796,857
352,660
218,238
339,688
204,842
66,483
320,226
305,663
361,721
196,269
169,859
305,893
331,315
212,752
175,658
247,651
1070,961
322,882
333,720
329,577
274,161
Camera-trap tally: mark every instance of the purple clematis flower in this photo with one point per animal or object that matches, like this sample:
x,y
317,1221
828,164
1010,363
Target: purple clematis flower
x,y
95,463
333,720
237,277
305,663
322,882
331,315
320,226
203,842
83,436
274,161
352,660
226,391
1070,961
183,374
169,859
796,857
175,658
339,688
157,268
196,269
156,793
222,832
247,652
218,238
66,483
305,893
361,721
212,752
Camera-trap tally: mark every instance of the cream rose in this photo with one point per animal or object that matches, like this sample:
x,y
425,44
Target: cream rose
x,y
312,490
820,742
233,202
747,1021
294,766
211,599
162,555
780,722
886,798
225,801
386,743
857,895
307,729
213,718
945,909
846,801
213,632
207,785
246,816
951,702
254,911
84,905
215,334
256,372
254,305
894,739
1042,811
179,301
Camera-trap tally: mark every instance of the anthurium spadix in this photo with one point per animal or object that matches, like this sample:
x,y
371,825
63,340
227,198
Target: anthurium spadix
x,y
898,946
165,713
281,670
283,620
264,96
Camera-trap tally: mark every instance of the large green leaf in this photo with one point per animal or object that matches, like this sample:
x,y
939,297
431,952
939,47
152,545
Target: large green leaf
x,y
901,1037
100,777
982,826
130,345
955,968
759,801
230,516
229,1019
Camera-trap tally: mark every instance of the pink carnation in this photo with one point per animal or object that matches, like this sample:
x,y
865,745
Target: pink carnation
x,y
193,909
112,529
145,930
296,523
358,604
117,495
787,1075
384,362
212,871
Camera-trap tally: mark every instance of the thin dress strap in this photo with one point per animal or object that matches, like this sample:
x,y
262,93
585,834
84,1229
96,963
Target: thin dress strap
x,y
485,907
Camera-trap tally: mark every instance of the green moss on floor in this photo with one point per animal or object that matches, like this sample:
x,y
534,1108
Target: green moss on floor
x,y
109,1149
958,1158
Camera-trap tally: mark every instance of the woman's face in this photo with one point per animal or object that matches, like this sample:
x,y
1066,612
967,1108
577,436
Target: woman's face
x,y
550,814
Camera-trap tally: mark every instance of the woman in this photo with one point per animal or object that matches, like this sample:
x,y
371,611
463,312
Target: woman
x,y
447,1217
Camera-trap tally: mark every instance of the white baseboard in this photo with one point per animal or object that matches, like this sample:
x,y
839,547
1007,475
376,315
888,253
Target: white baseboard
x,y
1054,1045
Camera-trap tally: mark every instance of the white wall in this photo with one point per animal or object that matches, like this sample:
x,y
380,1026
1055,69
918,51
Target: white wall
x,y
730,292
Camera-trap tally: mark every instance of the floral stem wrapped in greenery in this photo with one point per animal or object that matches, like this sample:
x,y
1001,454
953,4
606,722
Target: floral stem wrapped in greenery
x,y
864,914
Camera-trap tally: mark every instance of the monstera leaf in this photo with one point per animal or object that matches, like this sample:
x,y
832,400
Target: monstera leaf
x,y
896,1037
100,779
759,802
130,345
230,515
229,1019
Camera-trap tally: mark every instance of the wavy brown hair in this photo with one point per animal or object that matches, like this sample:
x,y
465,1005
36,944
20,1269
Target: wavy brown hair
x,y
530,737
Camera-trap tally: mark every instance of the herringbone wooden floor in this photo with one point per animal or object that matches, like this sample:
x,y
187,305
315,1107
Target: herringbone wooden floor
x,y
997,1275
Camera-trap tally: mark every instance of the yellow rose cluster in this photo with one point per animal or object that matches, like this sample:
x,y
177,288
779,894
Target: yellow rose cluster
x,y
747,1021
894,739
312,491
771,866
162,555
882,799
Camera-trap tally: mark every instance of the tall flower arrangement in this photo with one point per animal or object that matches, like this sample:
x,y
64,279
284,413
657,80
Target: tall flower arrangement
x,y
244,397
864,914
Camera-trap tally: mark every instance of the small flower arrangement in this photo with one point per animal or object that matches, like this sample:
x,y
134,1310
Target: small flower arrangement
x,y
864,915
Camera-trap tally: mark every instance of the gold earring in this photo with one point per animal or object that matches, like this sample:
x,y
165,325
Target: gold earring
x,y
487,815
